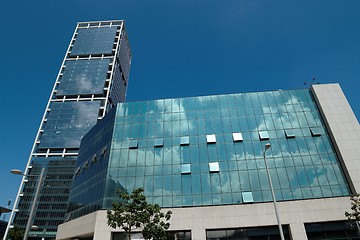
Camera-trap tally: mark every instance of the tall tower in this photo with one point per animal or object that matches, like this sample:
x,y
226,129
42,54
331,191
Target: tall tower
x,y
92,79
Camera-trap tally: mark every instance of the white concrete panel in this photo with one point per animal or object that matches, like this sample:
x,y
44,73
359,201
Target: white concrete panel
x,y
198,219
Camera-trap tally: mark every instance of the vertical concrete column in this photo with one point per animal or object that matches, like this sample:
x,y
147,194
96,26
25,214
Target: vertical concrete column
x,y
198,234
343,127
297,231
101,235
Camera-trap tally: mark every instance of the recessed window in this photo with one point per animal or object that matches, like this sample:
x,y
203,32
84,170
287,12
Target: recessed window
x,y
211,138
214,167
103,151
315,132
159,142
289,133
237,137
263,135
185,140
185,169
133,144
247,197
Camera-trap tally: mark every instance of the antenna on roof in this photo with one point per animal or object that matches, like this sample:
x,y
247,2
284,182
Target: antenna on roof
x,y
313,82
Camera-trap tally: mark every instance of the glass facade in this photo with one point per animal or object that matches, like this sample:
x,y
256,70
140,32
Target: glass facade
x,y
222,163
91,81
91,168
83,77
67,123
95,40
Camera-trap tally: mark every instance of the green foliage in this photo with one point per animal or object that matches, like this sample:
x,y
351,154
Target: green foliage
x,y
354,215
133,212
16,233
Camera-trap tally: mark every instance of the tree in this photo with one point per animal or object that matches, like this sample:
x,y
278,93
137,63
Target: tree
x,y
133,212
354,215
16,233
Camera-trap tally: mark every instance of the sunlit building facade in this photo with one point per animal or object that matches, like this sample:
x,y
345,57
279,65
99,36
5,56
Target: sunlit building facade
x,y
203,158
92,79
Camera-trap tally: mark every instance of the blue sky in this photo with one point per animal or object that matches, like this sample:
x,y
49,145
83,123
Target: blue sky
x,y
180,48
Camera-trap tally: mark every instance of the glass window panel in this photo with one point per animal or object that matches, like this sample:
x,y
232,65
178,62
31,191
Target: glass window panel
x,y
237,137
133,144
221,152
185,140
185,169
205,183
214,167
159,142
196,184
247,197
254,180
244,180
289,133
211,138
263,135
315,132
186,184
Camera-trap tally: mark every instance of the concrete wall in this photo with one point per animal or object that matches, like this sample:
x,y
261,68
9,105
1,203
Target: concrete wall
x,y
198,219
343,127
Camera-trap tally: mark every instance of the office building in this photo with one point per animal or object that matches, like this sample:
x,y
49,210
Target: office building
x,y
92,79
203,158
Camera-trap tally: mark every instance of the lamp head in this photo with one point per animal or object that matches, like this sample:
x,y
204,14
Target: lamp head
x,y
267,146
16,171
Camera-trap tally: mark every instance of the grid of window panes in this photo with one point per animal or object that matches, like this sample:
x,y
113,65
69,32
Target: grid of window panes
x,y
92,41
302,166
124,55
118,86
67,122
53,197
88,186
83,77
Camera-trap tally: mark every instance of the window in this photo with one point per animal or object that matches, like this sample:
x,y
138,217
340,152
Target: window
x,y
185,169
211,138
289,133
237,137
263,135
185,140
103,151
247,197
214,167
159,142
93,160
133,144
315,132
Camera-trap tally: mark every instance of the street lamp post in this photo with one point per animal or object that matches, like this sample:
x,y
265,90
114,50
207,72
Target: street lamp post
x,y
32,210
267,146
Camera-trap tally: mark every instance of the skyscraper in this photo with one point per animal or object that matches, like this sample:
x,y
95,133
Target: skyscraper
x,y
92,79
